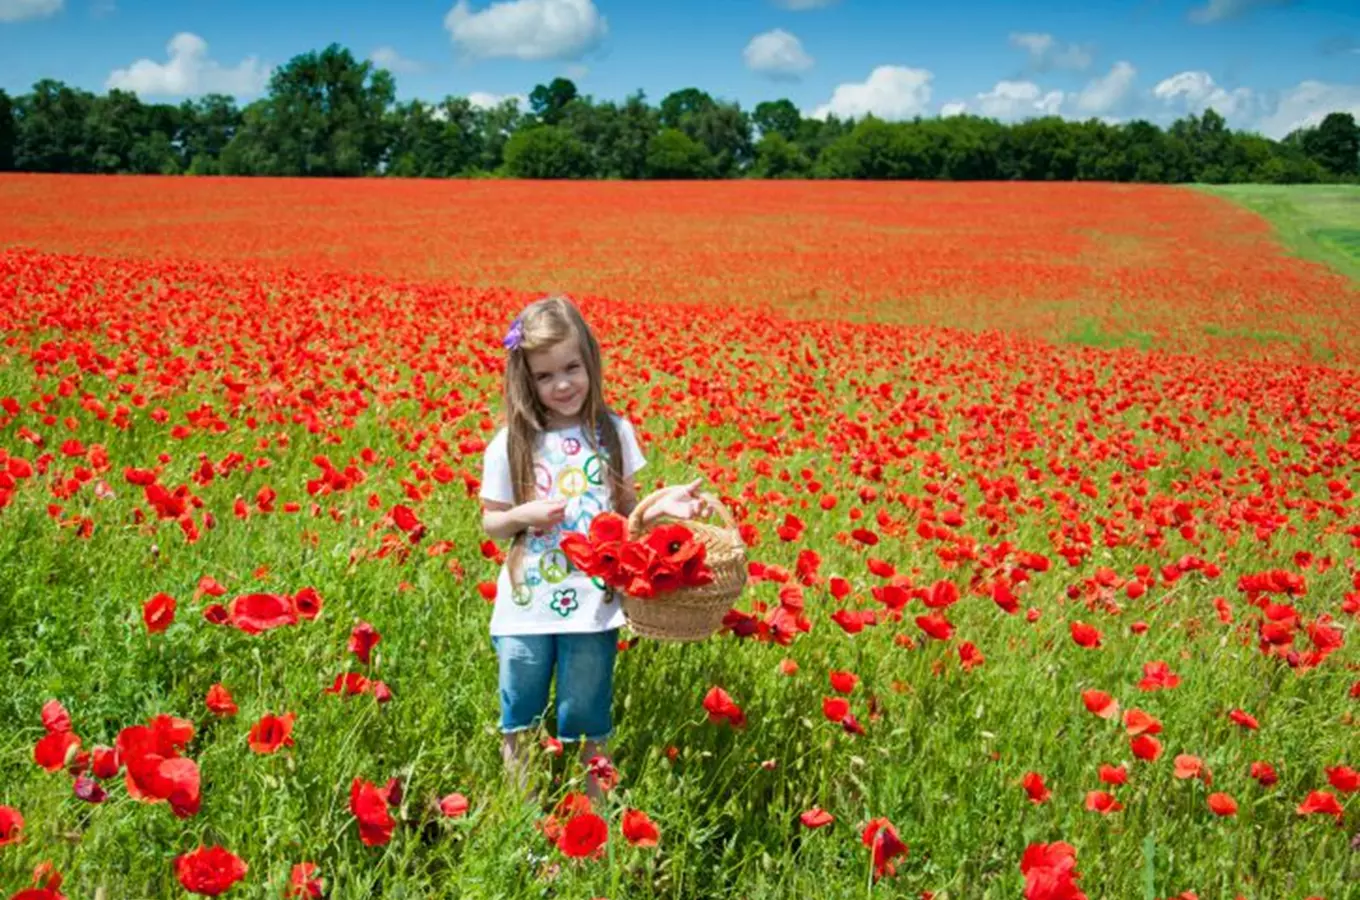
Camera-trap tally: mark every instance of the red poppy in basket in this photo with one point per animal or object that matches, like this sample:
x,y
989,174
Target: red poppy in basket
x,y
667,558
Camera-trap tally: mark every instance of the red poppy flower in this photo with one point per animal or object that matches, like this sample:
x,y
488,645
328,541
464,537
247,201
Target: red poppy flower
x,y
454,806
816,817
158,613
843,682
1100,703
1344,779
936,626
1136,722
638,829
89,790
209,870
11,825
1102,802
55,717
362,639
54,748
603,772
835,708
720,707
1114,774
104,762
1321,803
1050,872
1188,766
941,595
1222,805
303,883
1085,635
1245,719
271,733
881,837
256,613
219,701
308,603
1145,746
368,803
608,528
1264,773
1158,676
1033,783
580,552
583,835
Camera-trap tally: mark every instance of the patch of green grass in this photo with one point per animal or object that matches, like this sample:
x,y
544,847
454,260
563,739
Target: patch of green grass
x,y
1251,334
1089,333
1316,222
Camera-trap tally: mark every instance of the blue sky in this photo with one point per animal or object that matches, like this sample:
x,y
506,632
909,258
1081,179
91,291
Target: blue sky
x,y
1267,64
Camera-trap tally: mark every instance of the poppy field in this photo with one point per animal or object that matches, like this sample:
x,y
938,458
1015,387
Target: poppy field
x,y
1049,493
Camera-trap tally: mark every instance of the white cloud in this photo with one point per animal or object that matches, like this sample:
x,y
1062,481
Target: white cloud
x,y
1018,100
19,10
1196,91
189,72
1046,53
804,4
890,92
953,109
1108,92
1308,103
527,29
1222,10
484,100
388,58
777,54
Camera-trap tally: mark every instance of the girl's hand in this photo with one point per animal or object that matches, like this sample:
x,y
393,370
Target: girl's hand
x,y
542,514
681,501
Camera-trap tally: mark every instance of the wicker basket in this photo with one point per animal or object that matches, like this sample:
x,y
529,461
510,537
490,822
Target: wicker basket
x,y
694,613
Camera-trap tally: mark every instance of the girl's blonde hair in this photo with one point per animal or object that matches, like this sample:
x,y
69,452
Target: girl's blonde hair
x,y
543,324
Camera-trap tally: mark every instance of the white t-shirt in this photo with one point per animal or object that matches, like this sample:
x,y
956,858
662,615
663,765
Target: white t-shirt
x,y
554,597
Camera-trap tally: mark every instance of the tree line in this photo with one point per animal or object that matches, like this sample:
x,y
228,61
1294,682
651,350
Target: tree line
x,y
326,113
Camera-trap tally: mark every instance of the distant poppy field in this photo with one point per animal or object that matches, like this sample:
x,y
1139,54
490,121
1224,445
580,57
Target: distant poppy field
x,y
1049,495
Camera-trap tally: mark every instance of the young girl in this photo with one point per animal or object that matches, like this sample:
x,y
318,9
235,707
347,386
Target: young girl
x,y
561,458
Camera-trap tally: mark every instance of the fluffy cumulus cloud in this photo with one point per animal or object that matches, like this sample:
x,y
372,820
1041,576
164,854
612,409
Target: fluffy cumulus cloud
x,y
388,58
1106,94
1222,10
1196,91
527,29
484,100
1308,103
1047,53
777,54
890,92
189,72
1018,100
19,10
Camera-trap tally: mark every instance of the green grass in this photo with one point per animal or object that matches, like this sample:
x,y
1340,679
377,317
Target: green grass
x,y
1316,222
1089,333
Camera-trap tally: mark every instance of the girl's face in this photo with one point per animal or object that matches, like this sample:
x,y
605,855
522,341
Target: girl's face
x,y
560,380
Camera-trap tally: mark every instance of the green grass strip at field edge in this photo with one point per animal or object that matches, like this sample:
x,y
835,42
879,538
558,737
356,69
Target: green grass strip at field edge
x,y
1315,222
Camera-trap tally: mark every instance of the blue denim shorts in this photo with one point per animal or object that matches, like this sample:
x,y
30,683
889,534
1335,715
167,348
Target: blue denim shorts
x,y
584,666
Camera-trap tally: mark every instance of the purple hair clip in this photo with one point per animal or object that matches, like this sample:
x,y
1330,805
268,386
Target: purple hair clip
x,y
515,336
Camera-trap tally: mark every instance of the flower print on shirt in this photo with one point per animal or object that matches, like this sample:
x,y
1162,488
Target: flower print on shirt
x,y
564,602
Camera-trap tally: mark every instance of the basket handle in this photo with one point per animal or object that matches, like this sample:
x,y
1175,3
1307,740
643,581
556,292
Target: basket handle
x,y
646,503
